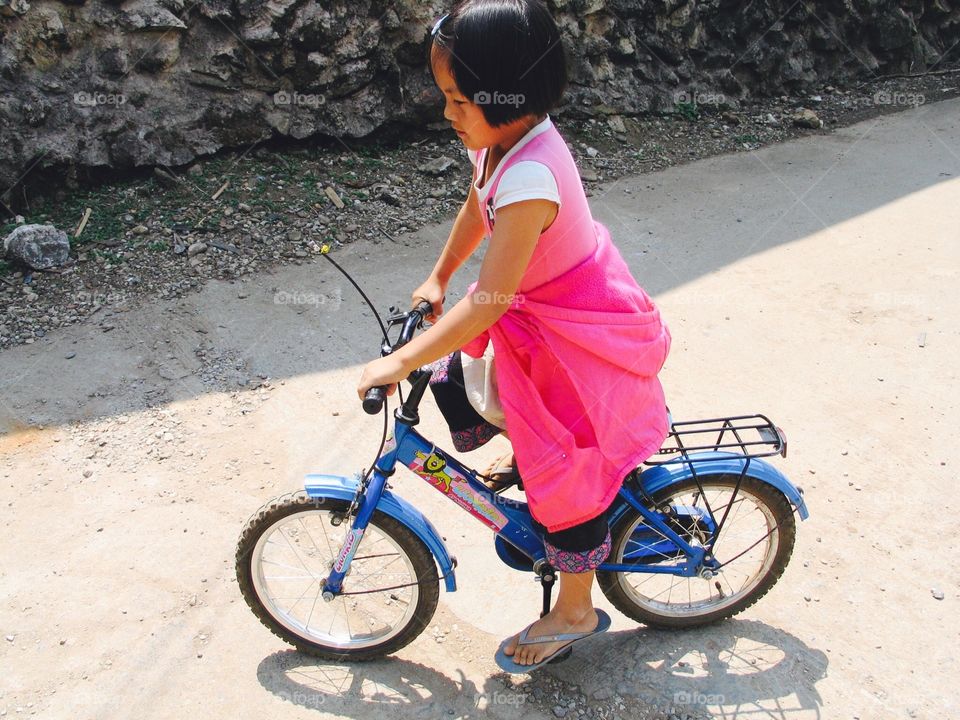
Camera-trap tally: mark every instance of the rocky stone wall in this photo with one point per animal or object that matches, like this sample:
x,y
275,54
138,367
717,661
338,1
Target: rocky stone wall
x,y
95,84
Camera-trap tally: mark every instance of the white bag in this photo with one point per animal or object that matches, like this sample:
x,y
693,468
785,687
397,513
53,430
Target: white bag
x,y
480,382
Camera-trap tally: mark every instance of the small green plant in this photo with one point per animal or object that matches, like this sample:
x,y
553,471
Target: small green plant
x,y
371,152
747,139
687,110
157,246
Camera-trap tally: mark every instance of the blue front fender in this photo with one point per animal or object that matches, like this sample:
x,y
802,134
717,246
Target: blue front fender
x,y
342,488
657,477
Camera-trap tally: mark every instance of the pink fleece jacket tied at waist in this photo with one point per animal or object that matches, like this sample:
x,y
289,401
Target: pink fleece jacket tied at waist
x,y
579,388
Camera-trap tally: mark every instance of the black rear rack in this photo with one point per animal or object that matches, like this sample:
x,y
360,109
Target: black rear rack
x,y
751,436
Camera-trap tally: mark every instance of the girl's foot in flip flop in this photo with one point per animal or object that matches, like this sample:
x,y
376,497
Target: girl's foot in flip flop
x,y
571,629
502,473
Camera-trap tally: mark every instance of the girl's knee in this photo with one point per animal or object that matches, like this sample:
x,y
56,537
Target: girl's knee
x,y
578,561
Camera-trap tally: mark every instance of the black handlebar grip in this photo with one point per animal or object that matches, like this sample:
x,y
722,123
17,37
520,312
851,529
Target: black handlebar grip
x,y
373,399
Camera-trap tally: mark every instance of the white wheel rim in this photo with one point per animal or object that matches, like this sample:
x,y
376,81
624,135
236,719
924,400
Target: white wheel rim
x,y
302,546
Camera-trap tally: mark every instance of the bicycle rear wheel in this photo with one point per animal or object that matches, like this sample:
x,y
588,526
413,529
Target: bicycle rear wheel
x,y
753,548
284,555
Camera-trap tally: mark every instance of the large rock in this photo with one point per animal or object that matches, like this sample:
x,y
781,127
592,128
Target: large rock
x,y
10,8
148,15
40,246
129,83
807,119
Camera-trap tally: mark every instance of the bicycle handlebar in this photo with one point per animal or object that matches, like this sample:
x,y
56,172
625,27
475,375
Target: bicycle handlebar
x,y
374,398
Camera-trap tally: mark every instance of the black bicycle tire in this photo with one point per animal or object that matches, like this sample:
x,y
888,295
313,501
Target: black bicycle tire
x,y
416,550
610,581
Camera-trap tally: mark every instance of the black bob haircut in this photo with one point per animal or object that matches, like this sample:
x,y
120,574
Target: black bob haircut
x,y
505,56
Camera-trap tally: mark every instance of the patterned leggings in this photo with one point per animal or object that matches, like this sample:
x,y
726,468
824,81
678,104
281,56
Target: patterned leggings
x,y
577,549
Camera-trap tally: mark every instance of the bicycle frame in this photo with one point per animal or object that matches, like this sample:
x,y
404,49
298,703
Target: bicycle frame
x,y
510,519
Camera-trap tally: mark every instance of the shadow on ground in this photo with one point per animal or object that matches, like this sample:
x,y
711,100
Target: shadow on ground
x,y
741,669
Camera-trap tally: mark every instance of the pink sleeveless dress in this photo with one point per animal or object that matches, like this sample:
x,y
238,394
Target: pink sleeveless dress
x,y
577,356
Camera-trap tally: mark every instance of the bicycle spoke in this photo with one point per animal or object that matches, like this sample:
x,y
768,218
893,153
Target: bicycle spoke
x,y
309,535
284,565
312,608
302,595
346,617
326,537
293,550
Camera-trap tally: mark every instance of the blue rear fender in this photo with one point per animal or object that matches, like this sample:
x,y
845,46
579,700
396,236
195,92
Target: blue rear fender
x,y
658,477
343,488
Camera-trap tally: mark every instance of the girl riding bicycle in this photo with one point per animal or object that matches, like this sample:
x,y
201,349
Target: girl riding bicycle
x,y
578,343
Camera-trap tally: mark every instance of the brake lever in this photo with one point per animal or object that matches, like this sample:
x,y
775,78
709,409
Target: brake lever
x,y
395,318
396,315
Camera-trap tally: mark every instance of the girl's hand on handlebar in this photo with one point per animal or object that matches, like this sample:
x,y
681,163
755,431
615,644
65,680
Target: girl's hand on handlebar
x,y
433,291
383,371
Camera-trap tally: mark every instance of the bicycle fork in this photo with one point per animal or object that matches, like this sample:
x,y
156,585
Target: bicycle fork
x,y
368,497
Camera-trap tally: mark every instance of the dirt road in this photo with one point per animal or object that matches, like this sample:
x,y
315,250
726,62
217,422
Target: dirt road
x,y
814,281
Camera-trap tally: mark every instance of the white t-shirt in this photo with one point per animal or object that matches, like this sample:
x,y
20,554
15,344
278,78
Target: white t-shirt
x,y
525,180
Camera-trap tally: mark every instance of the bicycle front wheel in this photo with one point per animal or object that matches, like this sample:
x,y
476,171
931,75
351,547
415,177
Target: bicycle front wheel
x,y
753,548
288,548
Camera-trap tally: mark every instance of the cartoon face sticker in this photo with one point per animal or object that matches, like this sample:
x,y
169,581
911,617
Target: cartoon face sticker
x,y
433,466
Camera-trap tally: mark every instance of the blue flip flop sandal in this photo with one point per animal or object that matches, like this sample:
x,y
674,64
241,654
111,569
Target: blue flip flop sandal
x,y
506,661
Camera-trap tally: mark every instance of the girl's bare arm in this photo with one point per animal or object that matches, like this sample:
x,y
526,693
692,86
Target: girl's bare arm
x,y
466,235
514,238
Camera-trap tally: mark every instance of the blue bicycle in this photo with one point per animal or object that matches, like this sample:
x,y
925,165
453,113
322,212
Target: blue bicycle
x,y
348,570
